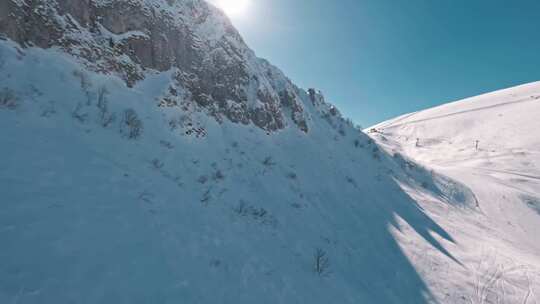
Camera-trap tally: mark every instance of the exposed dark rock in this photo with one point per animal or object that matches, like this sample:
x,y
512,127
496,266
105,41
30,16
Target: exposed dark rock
x,y
131,38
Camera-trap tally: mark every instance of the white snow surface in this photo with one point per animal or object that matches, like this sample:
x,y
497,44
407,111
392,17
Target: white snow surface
x,y
490,143
196,210
232,215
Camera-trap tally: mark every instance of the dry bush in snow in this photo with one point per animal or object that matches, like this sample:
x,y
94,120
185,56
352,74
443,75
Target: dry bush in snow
x,y
321,262
106,118
131,126
8,99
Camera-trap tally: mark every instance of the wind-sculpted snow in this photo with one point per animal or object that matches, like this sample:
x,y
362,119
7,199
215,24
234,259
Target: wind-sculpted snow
x,y
108,198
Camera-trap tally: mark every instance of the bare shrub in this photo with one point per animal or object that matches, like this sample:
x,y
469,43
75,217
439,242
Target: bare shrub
x,y
351,181
86,85
49,109
218,175
258,214
173,124
207,196
166,144
157,164
296,205
215,263
83,79
79,114
102,97
292,175
241,209
183,121
268,162
341,131
376,153
321,262
202,179
8,99
106,118
131,126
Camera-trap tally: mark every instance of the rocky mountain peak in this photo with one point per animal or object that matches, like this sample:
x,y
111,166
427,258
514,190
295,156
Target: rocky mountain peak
x,y
214,70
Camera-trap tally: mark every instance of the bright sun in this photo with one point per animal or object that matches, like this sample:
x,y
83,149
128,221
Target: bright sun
x,y
233,7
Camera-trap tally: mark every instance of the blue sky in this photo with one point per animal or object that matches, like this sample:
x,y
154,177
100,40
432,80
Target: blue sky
x,y
376,59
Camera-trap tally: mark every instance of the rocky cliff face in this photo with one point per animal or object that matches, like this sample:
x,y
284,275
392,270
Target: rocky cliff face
x,y
213,69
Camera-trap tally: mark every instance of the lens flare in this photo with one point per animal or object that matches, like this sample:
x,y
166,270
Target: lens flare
x,y
233,7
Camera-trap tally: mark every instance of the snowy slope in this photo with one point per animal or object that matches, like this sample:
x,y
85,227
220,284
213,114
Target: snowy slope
x,y
90,215
491,143
148,156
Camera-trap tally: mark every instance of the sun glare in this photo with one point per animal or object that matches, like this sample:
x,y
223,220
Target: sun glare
x,y
233,7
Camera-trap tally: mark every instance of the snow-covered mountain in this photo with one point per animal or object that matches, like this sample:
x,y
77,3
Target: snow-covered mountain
x,y
491,143
148,156
212,66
